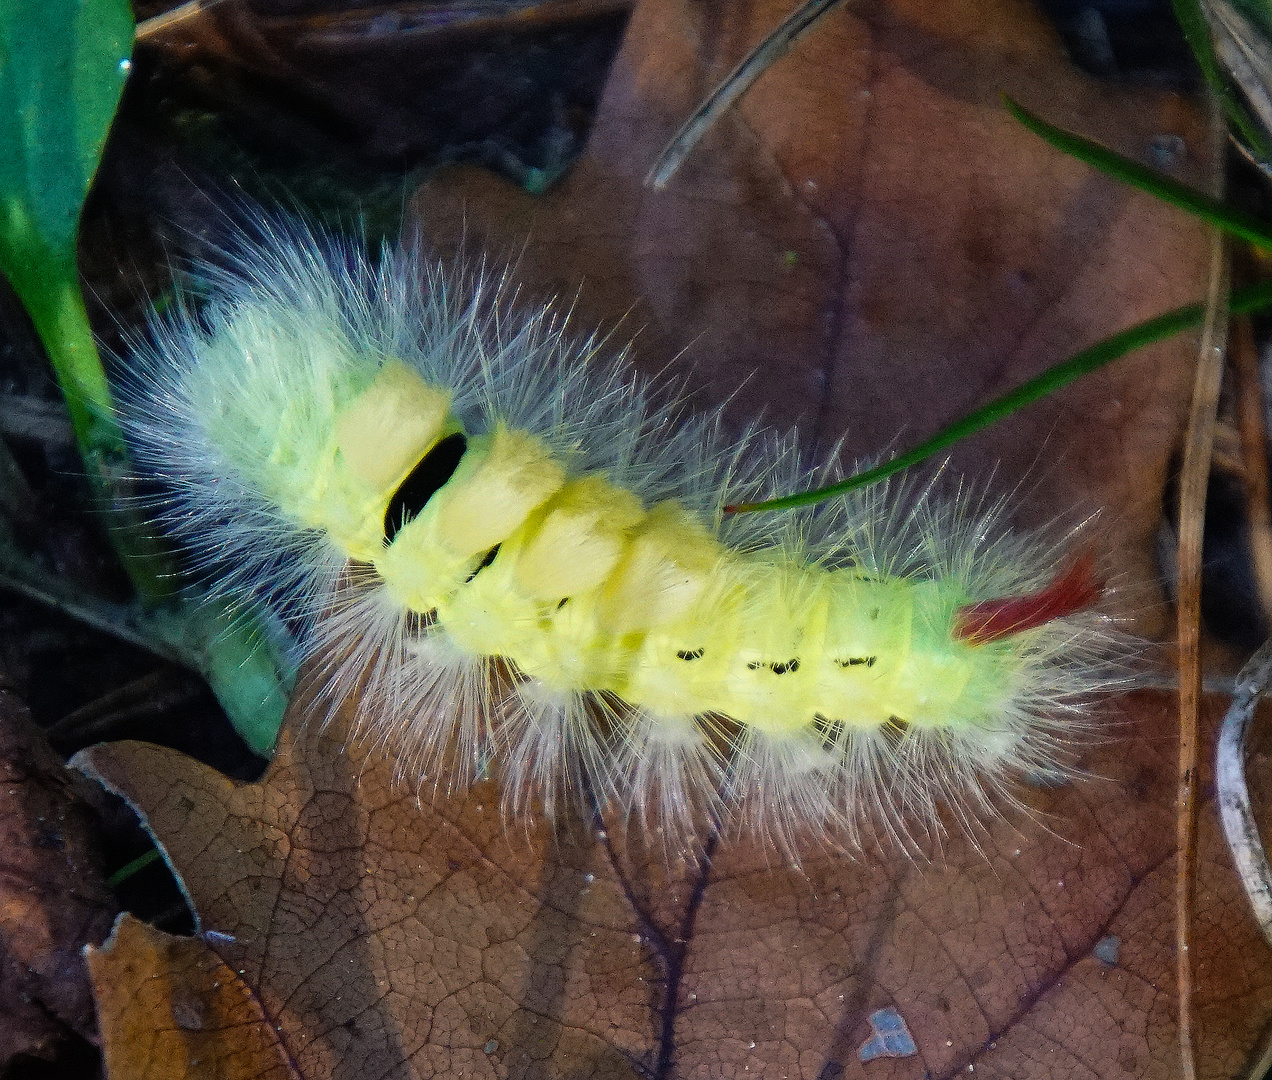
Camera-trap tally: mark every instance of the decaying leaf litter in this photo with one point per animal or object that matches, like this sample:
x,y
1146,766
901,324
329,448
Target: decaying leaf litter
x,y
826,282
372,934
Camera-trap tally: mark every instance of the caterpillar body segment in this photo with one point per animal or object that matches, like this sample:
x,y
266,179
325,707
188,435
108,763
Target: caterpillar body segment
x,y
579,587
545,583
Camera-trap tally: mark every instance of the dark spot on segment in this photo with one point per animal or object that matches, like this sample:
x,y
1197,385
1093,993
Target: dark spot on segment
x,y
777,668
422,482
690,654
486,560
562,602
857,661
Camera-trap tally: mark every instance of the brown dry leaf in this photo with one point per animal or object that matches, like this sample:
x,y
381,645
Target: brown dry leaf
x,y
869,246
373,932
384,938
170,1008
53,899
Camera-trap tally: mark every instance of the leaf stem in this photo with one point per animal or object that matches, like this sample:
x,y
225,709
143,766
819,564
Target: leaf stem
x,y
56,308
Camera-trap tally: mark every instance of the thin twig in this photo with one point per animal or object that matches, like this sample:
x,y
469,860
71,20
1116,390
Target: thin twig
x,y
1241,48
418,20
1212,685
1239,825
1192,505
1254,460
737,83
153,694
157,24
127,622
19,502
26,417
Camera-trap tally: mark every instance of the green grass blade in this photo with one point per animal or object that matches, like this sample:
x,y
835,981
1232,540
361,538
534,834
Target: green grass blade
x,y
1244,301
133,867
1230,220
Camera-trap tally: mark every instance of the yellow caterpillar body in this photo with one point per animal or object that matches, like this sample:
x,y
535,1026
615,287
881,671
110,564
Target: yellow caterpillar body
x,y
546,581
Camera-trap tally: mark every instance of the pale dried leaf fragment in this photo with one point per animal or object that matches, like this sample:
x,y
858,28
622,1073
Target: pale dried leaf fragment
x,y
171,1009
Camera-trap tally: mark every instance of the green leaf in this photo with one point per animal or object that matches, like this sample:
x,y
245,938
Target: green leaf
x,y
63,64
1244,301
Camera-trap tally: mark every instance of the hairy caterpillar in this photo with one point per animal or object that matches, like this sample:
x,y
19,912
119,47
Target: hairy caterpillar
x,y
523,564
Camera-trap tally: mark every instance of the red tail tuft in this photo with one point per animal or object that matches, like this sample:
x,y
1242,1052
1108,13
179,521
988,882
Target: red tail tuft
x,y
1075,588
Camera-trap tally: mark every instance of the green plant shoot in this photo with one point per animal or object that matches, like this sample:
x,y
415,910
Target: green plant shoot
x,y
63,65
